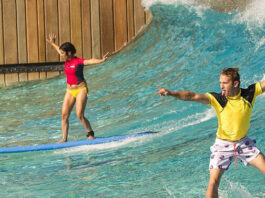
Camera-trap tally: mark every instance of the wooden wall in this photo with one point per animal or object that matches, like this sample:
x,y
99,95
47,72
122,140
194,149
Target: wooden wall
x,y
93,26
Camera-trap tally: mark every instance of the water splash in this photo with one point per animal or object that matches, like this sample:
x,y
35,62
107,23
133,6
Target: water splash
x,y
253,15
234,190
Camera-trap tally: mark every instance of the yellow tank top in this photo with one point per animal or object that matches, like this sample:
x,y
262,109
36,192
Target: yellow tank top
x,y
234,113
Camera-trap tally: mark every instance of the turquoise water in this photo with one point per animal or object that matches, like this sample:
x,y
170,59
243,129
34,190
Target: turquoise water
x,y
185,48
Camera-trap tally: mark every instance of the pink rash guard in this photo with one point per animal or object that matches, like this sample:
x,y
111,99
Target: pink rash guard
x,y
74,71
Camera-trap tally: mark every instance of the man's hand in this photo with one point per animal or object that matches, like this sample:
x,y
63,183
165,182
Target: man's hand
x,y
162,91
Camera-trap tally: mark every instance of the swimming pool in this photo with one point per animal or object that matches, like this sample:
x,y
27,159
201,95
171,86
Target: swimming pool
x,y
185,49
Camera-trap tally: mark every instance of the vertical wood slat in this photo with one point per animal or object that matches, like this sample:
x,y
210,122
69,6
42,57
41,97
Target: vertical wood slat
x,y
21,31
139,15
1,37
106,22
86,29
2,80
52,74
32,33
64,22
23,77
41,31
33,76
95,29
148,16
76,28
43,75
120,23
11,78
51,26
130,19
10,31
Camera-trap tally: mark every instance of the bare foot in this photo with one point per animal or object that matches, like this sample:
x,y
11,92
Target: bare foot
x,y
91,137
62,140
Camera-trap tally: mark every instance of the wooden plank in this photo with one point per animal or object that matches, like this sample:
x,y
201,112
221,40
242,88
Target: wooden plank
x,y
120,23
2,80
139,16
130,19
23,77
21,31
148,16
52,74
64,21
43,75
86,29
1,37
41,31
32,31
11,78
75,21
33,76
10,31
95,29
51,26
106,24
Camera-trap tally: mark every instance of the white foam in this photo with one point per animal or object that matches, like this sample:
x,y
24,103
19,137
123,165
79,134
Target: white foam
x,y
174,125
234,190
148,3
198,118
107,146
170,193
253,15
191,4
260,43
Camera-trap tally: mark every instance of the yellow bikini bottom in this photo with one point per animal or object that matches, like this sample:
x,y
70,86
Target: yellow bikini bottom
x,y
75,92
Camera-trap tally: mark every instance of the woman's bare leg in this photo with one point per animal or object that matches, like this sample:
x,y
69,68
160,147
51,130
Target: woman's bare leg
x,y
81,101
68,104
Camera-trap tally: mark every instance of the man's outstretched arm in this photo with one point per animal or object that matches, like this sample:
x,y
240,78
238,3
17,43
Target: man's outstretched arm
x,y
185,95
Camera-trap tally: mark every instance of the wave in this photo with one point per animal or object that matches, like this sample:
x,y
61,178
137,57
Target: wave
x,y
250,12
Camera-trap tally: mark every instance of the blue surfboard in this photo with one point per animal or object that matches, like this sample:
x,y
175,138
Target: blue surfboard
x,y
53,146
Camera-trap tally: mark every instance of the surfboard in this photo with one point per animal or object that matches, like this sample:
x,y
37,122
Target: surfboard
x,y
53,146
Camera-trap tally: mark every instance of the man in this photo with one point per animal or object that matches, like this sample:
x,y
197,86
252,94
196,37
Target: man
x,y
233,107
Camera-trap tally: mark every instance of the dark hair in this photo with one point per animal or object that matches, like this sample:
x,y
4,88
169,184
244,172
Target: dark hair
x,y
233,73
68,47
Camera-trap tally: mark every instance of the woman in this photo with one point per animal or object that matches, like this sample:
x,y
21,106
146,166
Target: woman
x,y
76,85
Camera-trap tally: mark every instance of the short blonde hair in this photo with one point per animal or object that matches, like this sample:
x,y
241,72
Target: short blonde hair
x,y
233,73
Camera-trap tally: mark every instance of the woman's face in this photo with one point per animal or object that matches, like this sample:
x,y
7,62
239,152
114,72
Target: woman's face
x,y
65,56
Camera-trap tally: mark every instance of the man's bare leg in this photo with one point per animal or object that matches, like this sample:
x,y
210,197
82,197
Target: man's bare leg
x,y
214,181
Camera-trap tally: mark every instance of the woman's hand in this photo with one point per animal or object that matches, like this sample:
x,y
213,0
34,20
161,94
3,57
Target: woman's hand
x,y
51,38
105,56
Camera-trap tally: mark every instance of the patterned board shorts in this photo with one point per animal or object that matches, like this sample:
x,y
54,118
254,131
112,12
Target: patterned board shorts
x,y
223,152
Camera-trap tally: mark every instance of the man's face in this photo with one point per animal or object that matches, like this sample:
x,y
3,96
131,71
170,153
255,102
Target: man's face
x,y
227,86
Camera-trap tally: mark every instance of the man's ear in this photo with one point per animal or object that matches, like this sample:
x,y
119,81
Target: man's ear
x,y
236,83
